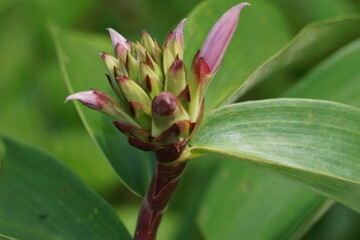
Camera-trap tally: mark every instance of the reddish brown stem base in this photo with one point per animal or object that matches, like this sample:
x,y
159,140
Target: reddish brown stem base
x,y
162,186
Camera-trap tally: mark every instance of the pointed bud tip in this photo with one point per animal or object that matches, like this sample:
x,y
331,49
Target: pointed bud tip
x,y
88,98
241,5
235,10
164,104
179,30
117,38
104,55
177,33
180,26
219,37
144,32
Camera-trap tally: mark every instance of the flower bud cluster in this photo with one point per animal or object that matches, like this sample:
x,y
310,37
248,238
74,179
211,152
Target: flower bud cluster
x,y
158,106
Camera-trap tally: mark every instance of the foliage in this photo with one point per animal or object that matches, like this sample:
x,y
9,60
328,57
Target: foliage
x,y
282,49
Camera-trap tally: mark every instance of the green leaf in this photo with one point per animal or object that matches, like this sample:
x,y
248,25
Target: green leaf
x,y
336,79
261,32
300,13
42,200
339,222
313,43
250,203
82,69
313,142
58,11
244,43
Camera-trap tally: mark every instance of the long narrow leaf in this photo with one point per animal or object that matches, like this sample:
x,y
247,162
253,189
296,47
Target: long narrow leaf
x,y
40,199
314,142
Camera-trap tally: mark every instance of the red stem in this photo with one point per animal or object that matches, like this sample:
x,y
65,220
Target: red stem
x,y
162,186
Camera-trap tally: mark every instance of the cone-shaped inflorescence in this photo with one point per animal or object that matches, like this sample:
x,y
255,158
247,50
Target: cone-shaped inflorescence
x,y
158,106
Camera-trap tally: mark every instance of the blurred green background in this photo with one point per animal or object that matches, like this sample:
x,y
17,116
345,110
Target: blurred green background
x,y
32,89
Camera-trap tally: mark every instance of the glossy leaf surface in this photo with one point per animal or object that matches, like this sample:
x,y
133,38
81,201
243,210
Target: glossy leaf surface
x,y
314,142
42,200
322,36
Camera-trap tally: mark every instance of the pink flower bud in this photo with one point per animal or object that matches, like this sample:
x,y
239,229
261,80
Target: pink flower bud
x,y
117,38
103,102
177,33
93,99
219,37
164,104
120,51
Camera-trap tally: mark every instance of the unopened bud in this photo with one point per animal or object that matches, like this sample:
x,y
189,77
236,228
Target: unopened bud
x,y
160,106
157,54
132,67
219,37
147,41
153,65
173,46
175,80
121,52
174,40
166,110
102,102
149,80
138,51
164,104
153,86
199,79
110,62
117,38
168,58
132,91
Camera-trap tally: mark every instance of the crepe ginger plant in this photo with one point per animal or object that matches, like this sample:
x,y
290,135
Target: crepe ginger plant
x,y
159,105
216,167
